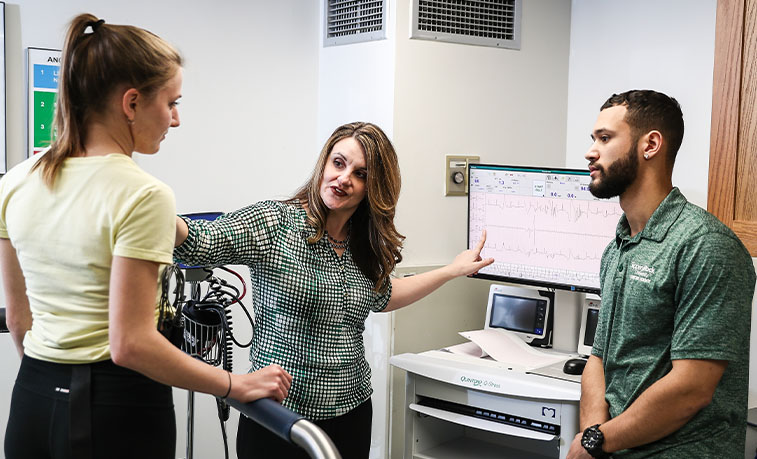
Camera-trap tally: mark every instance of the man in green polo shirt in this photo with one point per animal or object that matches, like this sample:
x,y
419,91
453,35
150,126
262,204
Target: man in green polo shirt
x,y
668,375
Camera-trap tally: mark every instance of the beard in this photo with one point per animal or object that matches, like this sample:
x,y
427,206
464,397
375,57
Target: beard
x,y
618,177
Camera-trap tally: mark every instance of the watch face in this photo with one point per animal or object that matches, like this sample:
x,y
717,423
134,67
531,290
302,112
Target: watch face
x,y
592,440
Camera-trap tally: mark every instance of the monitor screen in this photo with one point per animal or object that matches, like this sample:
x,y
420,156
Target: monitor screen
x,y
526,312
543,226
592,315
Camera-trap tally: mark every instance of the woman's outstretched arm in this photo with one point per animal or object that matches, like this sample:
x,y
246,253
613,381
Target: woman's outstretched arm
x,y
408,290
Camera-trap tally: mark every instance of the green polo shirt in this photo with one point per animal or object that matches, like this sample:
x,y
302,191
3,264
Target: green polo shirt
x,y
680,289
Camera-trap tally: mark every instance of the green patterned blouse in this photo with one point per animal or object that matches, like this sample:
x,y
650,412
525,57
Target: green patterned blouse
x,y
310,305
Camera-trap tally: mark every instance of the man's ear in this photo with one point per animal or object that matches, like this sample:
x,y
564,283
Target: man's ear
x,y
129,103
652,144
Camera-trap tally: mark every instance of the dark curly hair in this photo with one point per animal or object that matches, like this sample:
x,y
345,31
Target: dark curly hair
x,y
649,110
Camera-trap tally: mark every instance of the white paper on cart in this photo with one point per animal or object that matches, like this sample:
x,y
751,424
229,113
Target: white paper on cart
x,y
468,348
506,347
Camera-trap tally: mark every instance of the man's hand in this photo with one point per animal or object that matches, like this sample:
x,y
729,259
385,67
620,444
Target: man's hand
x,y
577,451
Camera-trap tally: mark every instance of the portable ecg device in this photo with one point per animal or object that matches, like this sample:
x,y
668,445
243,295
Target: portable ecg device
x,y
523,311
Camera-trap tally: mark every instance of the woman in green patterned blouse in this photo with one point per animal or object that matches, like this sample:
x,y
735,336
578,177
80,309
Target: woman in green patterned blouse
x,y
319,263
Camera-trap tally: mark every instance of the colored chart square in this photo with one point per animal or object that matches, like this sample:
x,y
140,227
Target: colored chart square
x,y
46,76
44,108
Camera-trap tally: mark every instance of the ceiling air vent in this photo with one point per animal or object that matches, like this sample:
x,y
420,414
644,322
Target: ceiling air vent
x,y
487,22
354,21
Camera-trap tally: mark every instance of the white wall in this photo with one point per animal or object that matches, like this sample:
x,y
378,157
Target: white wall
x,y
668,46
248,112
356,82
506,106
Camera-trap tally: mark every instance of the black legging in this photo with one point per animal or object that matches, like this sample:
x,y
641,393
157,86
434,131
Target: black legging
x,y
351,434
132,415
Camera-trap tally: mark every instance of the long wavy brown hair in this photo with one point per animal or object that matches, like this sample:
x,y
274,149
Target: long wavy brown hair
x,y
374,241
97,59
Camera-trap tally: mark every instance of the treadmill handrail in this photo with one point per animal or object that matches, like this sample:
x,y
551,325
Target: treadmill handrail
x,y
282,421
290,426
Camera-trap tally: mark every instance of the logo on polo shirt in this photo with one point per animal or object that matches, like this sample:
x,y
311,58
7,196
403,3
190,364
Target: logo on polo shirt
x,y
641,273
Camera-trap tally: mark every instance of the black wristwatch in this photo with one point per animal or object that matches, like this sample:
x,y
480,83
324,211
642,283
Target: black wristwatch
x,y
592,441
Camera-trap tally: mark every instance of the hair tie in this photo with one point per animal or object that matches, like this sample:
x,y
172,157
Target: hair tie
x,y
94,25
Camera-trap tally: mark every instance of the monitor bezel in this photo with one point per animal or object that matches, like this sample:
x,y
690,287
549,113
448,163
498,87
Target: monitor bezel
x,y
589,304
518,280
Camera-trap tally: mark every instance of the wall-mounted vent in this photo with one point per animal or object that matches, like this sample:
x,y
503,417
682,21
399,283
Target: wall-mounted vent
x,y
353,21
485,22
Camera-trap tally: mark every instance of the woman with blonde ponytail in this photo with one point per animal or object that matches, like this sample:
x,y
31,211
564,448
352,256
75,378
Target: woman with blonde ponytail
x,y
81,281
319,263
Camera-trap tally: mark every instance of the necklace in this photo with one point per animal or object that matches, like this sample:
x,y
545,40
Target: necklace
x,y
338,244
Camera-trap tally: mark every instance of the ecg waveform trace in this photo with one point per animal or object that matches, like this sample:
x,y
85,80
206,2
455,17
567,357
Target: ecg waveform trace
x,y
546,239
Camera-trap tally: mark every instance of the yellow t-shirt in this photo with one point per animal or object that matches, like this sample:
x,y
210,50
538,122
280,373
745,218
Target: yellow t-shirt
x,y
65,240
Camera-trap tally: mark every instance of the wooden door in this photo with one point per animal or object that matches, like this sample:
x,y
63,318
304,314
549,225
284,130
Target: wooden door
x,y
732,189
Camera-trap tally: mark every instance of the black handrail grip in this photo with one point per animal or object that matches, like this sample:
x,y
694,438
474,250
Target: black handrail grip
x,y
269,414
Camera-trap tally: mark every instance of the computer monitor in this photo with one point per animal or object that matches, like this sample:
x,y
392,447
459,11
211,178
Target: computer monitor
x,y
543,226
589,318
526,312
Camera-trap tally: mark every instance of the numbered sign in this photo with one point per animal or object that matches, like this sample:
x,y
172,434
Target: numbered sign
x,y
44,69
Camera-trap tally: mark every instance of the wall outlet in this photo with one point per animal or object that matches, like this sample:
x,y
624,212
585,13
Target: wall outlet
x,y
456,174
